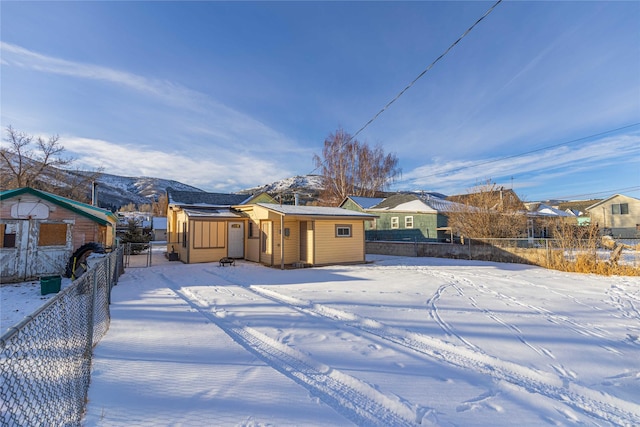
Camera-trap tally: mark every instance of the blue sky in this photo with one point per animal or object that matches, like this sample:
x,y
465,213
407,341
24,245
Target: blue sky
x,y
230,95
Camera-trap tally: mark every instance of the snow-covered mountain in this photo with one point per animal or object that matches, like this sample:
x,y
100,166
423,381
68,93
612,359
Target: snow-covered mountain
x,y
114,191
307,187
303,183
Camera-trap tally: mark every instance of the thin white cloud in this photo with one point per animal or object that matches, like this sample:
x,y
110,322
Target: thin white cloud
x,y
549,164
216,171
213,118
18,56
192,138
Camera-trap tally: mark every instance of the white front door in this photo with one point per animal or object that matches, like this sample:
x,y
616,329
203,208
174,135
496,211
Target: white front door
x,y
236,240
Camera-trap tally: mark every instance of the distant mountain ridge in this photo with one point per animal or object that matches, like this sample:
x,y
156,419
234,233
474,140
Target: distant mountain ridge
x,y
114,191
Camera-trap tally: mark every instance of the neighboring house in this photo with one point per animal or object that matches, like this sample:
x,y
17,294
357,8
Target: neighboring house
x,y
618,216
290,235
159,228
203,227
498,200
542,219
41,231
405,217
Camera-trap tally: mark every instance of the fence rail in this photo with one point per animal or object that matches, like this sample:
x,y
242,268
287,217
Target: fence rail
x,y
45,360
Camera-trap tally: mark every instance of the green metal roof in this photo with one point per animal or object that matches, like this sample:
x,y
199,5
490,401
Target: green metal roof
x,y
101,216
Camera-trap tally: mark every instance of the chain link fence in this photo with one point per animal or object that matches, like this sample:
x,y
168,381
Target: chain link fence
x,y
45,360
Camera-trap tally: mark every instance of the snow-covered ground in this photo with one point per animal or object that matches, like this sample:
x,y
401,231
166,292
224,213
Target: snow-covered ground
x,y
398,341
18,300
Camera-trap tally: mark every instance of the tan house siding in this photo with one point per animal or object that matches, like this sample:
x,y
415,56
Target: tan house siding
x,y
626,225
252,239
292,242
349,249
266,242
176,238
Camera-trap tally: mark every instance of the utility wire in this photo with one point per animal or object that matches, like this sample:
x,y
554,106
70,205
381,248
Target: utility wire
x,y
486,162
616,191
419,76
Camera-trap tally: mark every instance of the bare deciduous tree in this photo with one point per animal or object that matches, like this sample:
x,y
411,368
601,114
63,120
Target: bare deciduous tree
x,y
160,207
352,168
488,211
28,161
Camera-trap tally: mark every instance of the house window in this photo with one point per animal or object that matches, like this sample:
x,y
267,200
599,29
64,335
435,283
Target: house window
x,y
8,237
52,235
408,222
184,235
395,222
620,209
208,234
343,231
251,230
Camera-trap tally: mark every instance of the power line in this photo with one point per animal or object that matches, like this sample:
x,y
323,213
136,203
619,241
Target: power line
x,y
615,191
442,55
548,147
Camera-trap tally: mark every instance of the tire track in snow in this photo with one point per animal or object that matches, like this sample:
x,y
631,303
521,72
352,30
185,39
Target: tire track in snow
x,y
597,404
435,315
583,330
356,400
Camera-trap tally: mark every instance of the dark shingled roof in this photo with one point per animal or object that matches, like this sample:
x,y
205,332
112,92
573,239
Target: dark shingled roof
x,y
199,198
395,200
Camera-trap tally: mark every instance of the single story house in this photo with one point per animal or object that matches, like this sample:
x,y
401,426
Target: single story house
x,y
618,216
542,219
40,232
203,227
206,227
405,216
290,235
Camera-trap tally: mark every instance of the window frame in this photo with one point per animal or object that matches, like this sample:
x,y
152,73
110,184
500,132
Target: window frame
x,y
340,227
395,222
408,221
8,239
620,209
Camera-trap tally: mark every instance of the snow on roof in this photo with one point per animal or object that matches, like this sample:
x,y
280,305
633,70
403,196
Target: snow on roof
x,y
313,210
415,203
159,222
212,213
413,206
545,210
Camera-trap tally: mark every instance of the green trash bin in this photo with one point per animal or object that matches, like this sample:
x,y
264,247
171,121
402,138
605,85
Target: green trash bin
x,y
50,284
